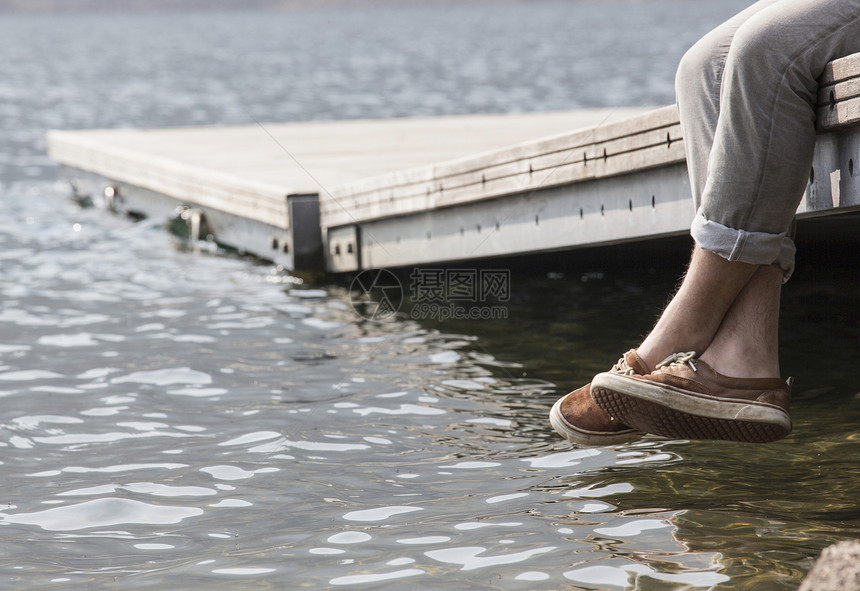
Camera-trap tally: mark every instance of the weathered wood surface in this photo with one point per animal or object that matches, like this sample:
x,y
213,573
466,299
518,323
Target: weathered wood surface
x,y
249,170
644,141
839,93
163,162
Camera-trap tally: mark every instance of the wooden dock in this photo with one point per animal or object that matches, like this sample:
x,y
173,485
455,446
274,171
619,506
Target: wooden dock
x,y
351,195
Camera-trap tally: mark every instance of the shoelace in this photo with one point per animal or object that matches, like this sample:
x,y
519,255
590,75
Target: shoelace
x,y
621,367
679,359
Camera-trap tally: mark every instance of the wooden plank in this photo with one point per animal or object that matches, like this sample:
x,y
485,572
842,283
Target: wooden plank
x,y
842,114
541,164
406,200
526,174
566,174
536,169
299,157
840,91
655,119
533,158
560,142
564,142
841,69
438,170
212,188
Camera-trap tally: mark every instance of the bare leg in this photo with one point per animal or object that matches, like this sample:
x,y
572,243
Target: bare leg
x,y
733,390
695,314
746,344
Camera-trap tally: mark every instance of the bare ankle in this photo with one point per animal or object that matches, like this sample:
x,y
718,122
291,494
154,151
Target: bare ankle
x,y
737,364
656,348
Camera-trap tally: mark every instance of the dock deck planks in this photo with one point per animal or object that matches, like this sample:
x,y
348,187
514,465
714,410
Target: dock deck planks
x,y
247,170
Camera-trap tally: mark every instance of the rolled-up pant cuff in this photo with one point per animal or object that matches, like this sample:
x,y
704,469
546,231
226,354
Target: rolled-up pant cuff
x,y
756,248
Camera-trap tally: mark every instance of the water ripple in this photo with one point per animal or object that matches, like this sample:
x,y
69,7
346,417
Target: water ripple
x,y
101,513
470,557
379,514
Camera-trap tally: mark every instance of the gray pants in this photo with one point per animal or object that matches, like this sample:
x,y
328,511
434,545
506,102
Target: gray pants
x,y
746,95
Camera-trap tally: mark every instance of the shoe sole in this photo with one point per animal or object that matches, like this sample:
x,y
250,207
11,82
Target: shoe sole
x,y
584,437
670,412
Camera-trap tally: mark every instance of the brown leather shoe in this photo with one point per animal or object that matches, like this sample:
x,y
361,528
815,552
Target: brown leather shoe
x,y
685,398
576,418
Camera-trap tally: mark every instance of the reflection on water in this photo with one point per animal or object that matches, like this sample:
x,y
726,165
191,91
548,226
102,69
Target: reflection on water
x,y
179,416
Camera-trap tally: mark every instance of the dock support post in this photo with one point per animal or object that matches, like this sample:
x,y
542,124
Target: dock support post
x,y
303,212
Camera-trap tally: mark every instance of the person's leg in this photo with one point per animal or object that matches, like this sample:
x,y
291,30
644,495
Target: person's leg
x,y
760,159
694,315
746,344
697,92
757,173
765,136
711,282
575,416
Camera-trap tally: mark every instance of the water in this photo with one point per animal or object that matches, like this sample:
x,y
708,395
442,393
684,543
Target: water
x,y
176,417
